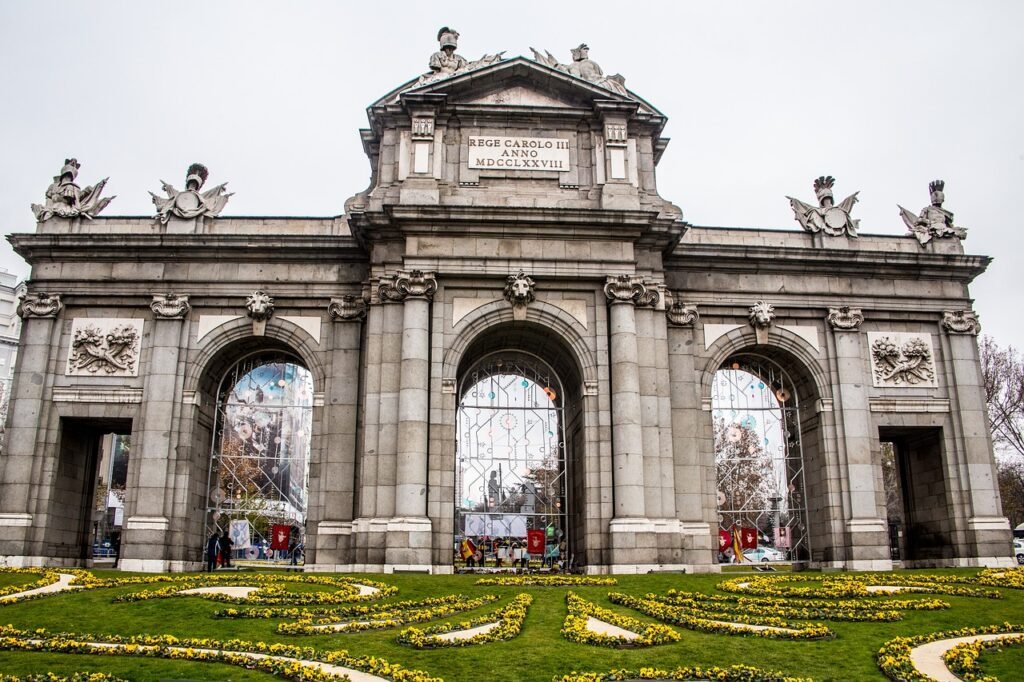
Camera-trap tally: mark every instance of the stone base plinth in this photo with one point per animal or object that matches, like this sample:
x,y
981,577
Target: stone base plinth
x,y
641,545
408,545
332,545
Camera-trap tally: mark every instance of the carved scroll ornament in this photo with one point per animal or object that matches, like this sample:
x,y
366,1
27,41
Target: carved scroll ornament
x,y
961,322
630,289
845,318
348,308
414,284
39,305
170,306
681,315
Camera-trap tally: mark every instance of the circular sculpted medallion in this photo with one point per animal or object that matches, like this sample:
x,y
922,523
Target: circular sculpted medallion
x,y
187,201
836,218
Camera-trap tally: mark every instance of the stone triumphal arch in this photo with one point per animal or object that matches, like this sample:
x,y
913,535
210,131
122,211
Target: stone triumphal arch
x,y
509,340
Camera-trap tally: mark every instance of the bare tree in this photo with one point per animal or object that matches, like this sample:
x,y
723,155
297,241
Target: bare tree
x,y
1011,489
1003,375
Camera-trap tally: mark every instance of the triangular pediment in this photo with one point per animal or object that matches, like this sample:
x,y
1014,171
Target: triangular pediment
x,y
517,82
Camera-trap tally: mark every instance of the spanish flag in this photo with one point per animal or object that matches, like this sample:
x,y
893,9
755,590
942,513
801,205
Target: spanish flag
x,y
467,549
737,544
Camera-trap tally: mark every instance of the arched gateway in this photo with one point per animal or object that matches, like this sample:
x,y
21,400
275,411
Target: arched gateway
x,y
509,335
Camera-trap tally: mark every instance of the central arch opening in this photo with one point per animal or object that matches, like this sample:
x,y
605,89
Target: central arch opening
x,y
511,474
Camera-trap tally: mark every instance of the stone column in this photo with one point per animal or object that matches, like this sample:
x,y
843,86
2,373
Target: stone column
x,y
692,453
867,533
988,531
336,502
149,512
25,421
408,542
633,544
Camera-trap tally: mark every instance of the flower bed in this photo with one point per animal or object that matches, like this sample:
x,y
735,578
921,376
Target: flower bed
x,y
47,576
894,656
575,628
723,623
271,591
962,660
736,673
557,580
383,617
294,663
846,586
50,677
509,618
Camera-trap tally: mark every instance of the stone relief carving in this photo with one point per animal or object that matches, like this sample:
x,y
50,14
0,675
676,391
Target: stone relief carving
x,y
108,347
845,318
170,306
446,62
259,306
414,284
681,315
629,289
519,289
39,305
900,359
583,67
826,217
961,322
191,203
761,314
348,308
934,221
65,199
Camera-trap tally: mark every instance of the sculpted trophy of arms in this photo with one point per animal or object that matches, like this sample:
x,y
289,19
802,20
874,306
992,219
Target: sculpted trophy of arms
x,y
65,199
446,62
583,67
934,221
826,217
191,203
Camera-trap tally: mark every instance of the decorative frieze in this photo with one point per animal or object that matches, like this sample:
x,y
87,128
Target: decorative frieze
x,y
845,318
347,309
39,305
961,322
104,347
902,359
170,306
630,289
414,284
681,315
259,305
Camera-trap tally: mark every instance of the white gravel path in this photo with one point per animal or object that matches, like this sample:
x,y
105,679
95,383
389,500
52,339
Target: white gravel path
x,y
63,584
603,628
927,658
891,589
353,675
237,591
366,590
468,634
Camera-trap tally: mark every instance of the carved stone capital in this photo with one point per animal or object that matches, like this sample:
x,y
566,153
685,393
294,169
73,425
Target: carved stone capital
x,y
845,318
39,305
170,306
761,314
681,315
259,305
414,284
630,289
961,322
347,309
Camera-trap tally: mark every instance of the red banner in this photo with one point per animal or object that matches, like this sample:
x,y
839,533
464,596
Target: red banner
x,y
535,541
724,540
748,538
467,549
279,535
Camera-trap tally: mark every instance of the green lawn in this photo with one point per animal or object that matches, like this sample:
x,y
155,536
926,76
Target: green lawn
x,y
538,653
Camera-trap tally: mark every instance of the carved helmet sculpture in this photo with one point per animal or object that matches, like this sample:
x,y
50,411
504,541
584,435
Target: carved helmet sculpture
x,y
196,174
448,37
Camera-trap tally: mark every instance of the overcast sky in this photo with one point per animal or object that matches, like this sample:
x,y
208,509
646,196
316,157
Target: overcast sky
x,y
762,97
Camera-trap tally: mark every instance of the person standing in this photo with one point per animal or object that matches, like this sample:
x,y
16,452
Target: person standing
x,y
212,550
225,550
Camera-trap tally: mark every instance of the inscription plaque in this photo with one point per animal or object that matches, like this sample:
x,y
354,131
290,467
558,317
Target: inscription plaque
x,y
519,153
